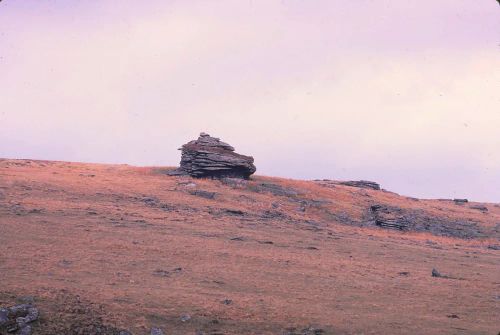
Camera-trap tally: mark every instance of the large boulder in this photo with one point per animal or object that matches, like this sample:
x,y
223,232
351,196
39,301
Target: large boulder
x,y
209,157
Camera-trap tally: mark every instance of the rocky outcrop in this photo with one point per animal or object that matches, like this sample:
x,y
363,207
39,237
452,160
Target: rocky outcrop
x,y
209,157
407,219
16,319
361,183
391,218
481,208
353,183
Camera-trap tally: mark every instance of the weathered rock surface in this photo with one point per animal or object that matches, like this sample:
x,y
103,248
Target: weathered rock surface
x,y
392,217
361,183
210,157
16,318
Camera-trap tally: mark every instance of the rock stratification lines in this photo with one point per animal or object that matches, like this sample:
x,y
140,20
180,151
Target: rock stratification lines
x,y
210,157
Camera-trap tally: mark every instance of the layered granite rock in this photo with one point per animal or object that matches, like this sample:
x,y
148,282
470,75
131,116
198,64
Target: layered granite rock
x,y
210,157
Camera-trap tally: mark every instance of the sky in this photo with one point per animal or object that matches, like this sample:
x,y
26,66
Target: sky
x,y
405,93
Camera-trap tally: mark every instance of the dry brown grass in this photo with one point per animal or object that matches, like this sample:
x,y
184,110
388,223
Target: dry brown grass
x,y
89,229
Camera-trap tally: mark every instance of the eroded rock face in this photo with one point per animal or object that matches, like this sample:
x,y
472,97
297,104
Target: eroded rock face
x,y
406,219
210,157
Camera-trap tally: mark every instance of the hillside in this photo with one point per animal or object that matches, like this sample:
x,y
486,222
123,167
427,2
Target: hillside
x,y
114,247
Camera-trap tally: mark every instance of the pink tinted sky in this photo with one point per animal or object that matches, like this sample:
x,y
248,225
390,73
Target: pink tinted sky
x,y
401,92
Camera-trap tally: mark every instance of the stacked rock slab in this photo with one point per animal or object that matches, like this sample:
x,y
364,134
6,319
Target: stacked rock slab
x,y
209,157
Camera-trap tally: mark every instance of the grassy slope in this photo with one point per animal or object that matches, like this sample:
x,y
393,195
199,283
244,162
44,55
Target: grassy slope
x,y
117,235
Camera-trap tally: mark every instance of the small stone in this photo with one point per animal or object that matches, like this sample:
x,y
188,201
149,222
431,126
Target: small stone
x,y
227,301
238,238
234,212
203,194
65,263
185,318
161,273
156,331
435,273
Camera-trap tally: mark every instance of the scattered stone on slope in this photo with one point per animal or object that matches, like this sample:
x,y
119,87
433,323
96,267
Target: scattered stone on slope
x,y
67,314
436,273
209,157
234,212
460,201
203,194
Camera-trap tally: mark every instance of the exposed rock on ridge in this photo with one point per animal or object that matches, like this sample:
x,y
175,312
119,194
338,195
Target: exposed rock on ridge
x,y
361,183
354,183
210,157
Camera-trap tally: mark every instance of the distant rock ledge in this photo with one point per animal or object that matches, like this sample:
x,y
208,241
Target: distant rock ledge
x,y
353,183
210,157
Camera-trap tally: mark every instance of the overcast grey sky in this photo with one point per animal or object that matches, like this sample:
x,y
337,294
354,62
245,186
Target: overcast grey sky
x,y
401,92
